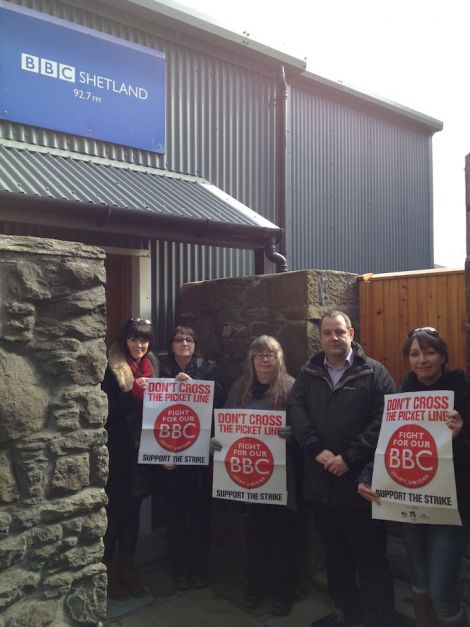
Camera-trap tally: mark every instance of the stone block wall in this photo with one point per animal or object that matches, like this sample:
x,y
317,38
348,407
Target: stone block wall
x,y
229,313
53,458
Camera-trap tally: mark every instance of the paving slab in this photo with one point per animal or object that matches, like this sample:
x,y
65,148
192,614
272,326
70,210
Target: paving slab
x,y
219,605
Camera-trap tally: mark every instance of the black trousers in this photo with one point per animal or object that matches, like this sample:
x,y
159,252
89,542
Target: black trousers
x,y
270,550
187,494
359,579
123,525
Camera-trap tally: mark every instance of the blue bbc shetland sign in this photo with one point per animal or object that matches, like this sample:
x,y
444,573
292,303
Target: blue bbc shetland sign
x,y
56,75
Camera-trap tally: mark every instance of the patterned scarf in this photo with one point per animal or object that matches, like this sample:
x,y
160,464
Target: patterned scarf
x,y
189,370
141,369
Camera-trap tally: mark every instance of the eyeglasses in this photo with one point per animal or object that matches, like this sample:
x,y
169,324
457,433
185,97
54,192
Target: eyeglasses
x,y
429,330
141,320
263,356
183,338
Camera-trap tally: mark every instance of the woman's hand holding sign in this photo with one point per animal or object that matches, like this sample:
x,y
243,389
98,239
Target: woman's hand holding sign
x,y
182,376
454,422
367,493
214,445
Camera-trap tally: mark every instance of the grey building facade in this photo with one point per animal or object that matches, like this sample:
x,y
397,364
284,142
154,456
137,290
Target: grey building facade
x,y
340,180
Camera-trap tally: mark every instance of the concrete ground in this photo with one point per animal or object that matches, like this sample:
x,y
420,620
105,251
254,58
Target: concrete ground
x,y
219,605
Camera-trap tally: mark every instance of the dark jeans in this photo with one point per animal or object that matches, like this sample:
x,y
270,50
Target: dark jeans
x,y
434,556
359,580
270,550
187,494
123,526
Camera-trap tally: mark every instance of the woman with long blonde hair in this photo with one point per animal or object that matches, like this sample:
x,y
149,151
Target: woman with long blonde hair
x,y
274,369
265,384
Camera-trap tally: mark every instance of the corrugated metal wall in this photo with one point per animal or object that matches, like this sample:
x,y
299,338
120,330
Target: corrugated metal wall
x,y
356,178
220,117
177,263
220,126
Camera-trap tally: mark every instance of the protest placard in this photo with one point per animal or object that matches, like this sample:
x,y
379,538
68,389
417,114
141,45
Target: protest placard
x,y
251,466
176,422
413,467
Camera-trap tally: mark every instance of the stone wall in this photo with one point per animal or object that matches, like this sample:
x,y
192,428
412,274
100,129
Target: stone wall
x,y
229,313
53,458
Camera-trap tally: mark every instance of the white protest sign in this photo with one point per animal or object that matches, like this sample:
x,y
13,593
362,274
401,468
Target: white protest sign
x,y
176,422
251,466
413,467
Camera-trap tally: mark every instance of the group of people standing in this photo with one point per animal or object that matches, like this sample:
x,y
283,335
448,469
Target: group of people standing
x,y
334,413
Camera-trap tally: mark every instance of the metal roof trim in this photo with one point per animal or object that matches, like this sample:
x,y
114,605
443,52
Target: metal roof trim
x,y
236,204
377,101
138,195
185,18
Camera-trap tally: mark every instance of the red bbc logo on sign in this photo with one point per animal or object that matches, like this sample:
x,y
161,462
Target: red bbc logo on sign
x,y
411,456
176,428
249,463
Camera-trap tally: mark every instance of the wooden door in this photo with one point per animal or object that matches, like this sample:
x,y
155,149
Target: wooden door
x,y
118,293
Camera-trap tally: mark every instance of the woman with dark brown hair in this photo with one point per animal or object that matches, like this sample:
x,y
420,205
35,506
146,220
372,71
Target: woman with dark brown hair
x,y
130,364
435,551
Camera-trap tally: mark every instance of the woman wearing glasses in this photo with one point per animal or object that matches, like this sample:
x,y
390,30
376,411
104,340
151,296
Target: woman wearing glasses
x,y
435,551
187,489
130,364
265,384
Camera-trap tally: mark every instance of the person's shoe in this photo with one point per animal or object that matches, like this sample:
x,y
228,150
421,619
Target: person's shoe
x,y
197,582
253,600
127,577
460,620
424,612
181,582
281,607
116,591
335,618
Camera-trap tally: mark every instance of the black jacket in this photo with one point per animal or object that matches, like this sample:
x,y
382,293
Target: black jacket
x,y
206,370
124,414
345,420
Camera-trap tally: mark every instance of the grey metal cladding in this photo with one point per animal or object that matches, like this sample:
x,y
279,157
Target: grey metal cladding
x,y
359,185
360,189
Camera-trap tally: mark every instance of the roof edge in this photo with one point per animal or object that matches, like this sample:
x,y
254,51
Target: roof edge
x,y
429,122
182,17
123,220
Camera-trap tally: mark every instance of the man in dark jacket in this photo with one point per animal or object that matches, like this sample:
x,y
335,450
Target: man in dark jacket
x,y
335,410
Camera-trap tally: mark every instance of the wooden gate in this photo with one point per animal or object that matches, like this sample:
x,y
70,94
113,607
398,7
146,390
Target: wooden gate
x,y
393,304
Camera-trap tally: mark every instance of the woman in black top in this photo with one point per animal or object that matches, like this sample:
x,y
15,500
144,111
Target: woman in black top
x,y
435,552
187,489
130,364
